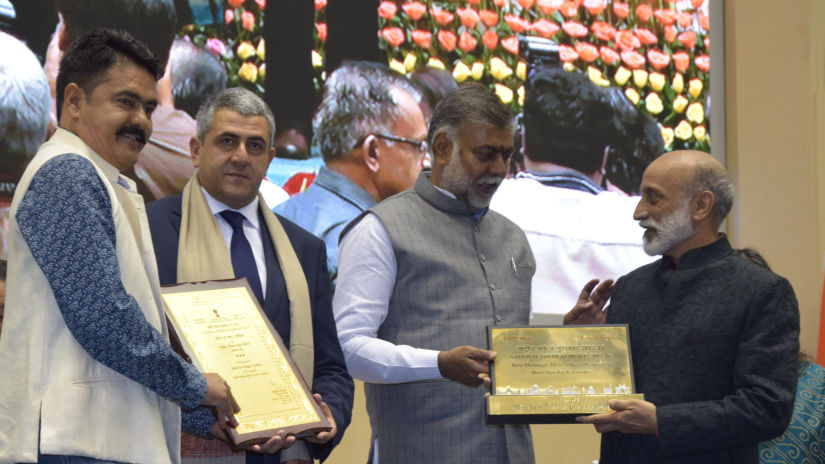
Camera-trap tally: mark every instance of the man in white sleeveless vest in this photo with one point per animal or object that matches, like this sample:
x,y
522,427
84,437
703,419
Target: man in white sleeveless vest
x,y
86,368
421,276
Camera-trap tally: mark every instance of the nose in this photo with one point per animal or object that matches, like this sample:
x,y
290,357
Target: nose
x,y
240,155
142,120
640,212
499,166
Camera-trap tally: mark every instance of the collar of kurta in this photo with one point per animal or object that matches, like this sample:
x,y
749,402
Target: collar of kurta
x,y
699,257
80,147
427,191
563,178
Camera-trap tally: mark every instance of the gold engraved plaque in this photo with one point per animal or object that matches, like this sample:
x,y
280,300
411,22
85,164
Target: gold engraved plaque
x,y
221,327
552,374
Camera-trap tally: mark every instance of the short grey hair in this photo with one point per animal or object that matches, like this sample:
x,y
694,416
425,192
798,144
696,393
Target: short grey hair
x,y
708,177
359,99
237,99
471,102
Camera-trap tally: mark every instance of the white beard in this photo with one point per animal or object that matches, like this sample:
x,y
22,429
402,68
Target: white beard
x,y
671,230
455,179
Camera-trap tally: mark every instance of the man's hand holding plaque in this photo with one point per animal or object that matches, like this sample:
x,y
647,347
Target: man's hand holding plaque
x,y
466,365
219,396
282,439
324,435
627,416
223,329
556,374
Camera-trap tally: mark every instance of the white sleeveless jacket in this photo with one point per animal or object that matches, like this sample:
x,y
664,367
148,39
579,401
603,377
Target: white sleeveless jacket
x,y
53,395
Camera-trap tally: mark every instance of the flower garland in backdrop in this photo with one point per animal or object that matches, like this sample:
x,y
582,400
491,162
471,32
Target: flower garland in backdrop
x,y
238,41
657,51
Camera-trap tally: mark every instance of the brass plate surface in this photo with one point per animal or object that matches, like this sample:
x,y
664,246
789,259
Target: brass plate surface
x,y
552,374
225,332
566,404
561,360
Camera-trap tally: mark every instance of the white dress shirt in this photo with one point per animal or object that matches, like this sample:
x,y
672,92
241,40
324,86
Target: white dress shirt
x,y
251,229
575,236
366,278
273,194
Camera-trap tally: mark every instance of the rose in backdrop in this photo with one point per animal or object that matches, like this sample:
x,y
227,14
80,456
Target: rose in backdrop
x,y
238,40
656,51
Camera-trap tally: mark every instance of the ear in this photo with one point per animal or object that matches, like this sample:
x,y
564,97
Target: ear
x,y
702,206
370,154
442,149
195,151
271,155
73,99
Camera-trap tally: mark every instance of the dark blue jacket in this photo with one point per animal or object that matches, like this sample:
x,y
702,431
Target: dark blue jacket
x,y
331,378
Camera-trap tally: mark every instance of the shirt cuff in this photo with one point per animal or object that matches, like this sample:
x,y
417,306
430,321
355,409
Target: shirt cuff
x,y
197,421
430,364
198,388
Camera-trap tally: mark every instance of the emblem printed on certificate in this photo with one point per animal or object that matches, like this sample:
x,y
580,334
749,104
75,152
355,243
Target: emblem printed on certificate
x,y
552,374
222,329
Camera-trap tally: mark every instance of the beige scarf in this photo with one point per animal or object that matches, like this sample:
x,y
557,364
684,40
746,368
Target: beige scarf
x,y
203,255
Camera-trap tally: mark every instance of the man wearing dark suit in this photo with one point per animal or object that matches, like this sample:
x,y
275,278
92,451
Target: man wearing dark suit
x,y
219,227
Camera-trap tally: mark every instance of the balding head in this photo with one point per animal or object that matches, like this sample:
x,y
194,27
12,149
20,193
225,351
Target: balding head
x,y
699,172
710,176
685,197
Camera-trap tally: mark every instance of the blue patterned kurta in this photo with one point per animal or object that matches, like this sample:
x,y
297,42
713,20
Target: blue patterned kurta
x,y
804,441
66,220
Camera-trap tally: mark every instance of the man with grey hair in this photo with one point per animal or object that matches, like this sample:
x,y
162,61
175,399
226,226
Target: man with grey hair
x,y
219,228
422,275
714,337
370,131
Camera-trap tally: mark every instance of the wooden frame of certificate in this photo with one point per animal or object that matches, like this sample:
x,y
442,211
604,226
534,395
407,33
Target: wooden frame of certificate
x,y
553,374
222,329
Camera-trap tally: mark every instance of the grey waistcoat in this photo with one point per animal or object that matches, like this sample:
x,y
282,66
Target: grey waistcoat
x,y
456,276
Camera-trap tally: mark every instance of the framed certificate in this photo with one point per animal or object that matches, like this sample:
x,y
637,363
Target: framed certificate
x,y
552,374
222,329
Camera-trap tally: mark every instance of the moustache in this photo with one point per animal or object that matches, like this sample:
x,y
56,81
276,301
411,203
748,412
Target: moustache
x,y
490,180
139,134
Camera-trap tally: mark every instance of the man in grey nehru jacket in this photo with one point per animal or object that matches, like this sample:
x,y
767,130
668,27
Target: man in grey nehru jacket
x,y
421,276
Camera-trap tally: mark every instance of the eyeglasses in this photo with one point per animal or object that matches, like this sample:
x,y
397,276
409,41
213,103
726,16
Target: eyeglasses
x,y
421,145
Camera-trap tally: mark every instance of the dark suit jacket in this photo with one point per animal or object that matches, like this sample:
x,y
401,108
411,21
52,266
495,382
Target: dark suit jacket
x,y
331,378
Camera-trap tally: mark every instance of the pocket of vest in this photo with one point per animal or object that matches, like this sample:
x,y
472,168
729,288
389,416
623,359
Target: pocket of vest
x,y
94,382
524,271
